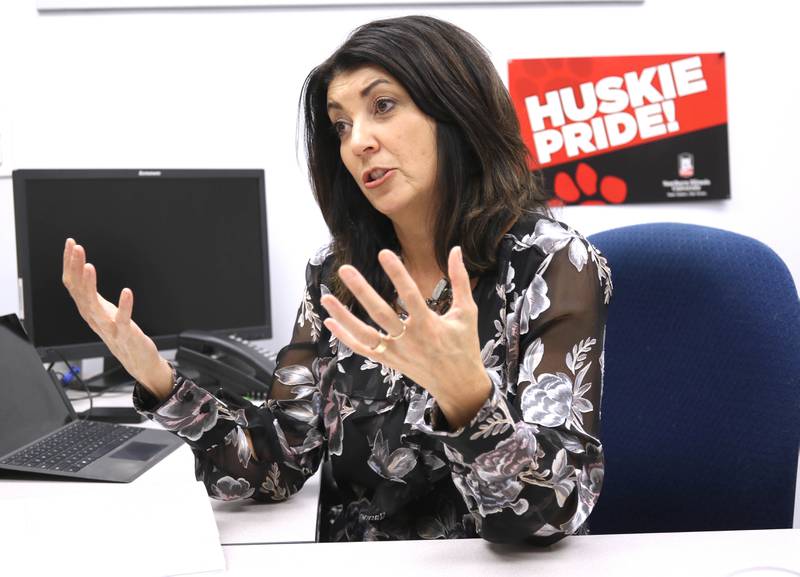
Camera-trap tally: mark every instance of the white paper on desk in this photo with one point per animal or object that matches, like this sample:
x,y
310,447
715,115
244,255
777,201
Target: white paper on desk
x,y
110,529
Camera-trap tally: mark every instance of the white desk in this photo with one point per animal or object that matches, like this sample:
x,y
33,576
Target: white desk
x,y
774,553
293,521
245,526
46,523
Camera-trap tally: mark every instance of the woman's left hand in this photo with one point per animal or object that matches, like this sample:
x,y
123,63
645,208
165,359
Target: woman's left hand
x,y
439,352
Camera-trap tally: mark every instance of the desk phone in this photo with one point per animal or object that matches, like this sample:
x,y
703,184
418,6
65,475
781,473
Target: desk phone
x,y
229,362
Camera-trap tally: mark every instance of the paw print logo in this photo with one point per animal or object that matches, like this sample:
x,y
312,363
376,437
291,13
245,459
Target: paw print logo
x,y
584,188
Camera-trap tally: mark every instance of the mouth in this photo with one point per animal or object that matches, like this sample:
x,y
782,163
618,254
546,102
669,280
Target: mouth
x,y
376,177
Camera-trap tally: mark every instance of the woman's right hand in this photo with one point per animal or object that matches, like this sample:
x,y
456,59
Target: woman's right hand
x,y
135,350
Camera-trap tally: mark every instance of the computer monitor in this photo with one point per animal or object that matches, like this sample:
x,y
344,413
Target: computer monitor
x,y
191,244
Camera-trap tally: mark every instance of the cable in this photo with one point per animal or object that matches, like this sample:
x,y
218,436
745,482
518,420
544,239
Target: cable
x,y
80,380
73,373
100,393
108,372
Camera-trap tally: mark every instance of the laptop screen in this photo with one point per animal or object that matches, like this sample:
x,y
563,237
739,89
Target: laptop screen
x,y
30,404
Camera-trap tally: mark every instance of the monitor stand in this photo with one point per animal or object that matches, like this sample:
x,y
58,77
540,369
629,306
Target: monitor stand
x,y
113,375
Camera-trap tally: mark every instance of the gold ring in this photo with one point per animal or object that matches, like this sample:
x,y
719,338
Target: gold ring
x,y
402,332
380,347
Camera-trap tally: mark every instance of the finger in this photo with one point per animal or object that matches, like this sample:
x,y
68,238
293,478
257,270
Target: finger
x,y
125,307
355,327
406,287
84,293
86,298
88,286
377,308
65,277
348,339
459,279
76,262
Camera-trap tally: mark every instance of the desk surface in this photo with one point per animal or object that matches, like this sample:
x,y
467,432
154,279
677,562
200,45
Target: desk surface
x,y
294,521
244,527
247,521
773,553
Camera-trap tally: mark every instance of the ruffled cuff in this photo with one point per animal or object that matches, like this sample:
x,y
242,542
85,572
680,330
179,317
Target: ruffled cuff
x,y
493,420
189,411
146,402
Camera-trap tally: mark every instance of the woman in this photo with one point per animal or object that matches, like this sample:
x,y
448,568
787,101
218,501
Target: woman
x,y
453,384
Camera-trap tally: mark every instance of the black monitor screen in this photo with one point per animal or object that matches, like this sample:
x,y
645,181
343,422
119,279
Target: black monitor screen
x,y
192,245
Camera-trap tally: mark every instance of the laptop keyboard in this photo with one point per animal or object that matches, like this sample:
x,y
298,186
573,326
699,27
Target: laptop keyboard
x,y
74,447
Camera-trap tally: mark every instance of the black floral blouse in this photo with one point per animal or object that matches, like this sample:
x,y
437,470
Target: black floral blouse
x,y
528,467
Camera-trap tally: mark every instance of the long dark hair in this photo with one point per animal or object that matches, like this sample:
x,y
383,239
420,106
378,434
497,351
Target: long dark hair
x,y
483,181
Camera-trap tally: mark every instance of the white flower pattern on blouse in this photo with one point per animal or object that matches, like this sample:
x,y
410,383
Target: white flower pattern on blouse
x,y
529,466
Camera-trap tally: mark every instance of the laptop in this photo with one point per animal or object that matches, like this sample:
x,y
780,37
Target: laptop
x,y
40,432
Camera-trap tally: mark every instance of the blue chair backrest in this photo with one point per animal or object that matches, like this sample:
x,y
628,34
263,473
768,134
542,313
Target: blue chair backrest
x,y
700,419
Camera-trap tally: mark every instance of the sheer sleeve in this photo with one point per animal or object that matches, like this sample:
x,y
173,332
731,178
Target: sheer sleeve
x,y
530,465
285,432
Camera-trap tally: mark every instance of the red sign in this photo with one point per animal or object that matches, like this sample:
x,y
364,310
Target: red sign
x,y
572,110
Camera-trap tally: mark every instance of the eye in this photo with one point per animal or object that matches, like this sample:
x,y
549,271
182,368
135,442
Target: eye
x,y
384,105
340,127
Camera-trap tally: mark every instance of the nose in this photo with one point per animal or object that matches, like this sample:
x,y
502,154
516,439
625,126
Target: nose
x,y
362,138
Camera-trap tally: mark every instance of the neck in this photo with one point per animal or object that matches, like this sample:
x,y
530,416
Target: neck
x,y
417,247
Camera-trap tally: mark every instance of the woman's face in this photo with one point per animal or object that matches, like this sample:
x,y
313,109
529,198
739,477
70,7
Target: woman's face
x,y
387,143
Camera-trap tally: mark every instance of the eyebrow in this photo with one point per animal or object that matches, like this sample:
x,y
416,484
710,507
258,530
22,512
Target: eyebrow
x,y
332,104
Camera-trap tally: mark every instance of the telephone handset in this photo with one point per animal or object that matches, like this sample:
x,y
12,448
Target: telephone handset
x,y
229,362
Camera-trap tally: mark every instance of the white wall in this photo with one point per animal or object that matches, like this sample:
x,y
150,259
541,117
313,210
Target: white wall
x,y
219,89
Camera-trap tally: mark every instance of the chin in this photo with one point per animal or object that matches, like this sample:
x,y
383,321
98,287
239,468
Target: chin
x,y
388,206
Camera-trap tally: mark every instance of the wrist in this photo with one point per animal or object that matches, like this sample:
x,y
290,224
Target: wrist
x,y
470,396
161,382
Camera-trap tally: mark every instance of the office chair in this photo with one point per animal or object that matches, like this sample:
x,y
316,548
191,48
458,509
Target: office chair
x,y
700,420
